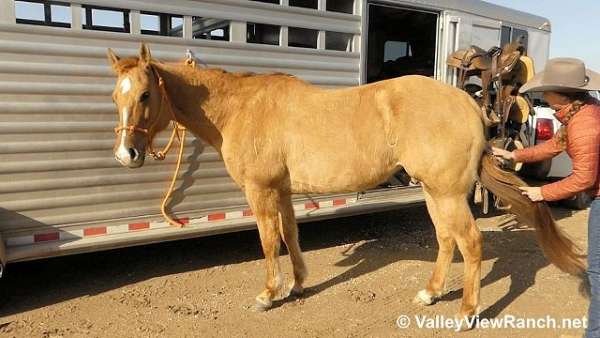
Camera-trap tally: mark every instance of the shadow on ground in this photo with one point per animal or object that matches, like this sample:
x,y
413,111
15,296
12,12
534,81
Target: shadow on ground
x,y
376,241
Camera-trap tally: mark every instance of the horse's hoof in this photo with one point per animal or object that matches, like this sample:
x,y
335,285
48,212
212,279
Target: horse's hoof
x,y
468,321
262,305
424,298
296,291
259,307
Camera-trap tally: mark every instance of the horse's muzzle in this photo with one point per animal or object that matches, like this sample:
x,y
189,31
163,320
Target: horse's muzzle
x,y
131,157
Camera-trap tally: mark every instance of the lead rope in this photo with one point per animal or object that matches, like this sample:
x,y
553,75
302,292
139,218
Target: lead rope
x,y
179,131
176,131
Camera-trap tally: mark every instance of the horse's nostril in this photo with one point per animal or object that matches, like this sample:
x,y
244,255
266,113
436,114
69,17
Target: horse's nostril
x,y
134,154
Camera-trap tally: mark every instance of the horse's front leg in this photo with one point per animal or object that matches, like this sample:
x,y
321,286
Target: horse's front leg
x,y
264,204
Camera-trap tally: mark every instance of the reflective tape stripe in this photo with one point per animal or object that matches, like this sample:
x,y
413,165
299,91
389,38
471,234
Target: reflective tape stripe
x,y
216,217
51,236
138,226
144,226
96,231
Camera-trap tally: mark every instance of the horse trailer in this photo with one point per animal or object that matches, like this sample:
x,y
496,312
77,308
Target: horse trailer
x,y
62,191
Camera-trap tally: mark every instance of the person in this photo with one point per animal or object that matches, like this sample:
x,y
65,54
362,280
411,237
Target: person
x,y
565,83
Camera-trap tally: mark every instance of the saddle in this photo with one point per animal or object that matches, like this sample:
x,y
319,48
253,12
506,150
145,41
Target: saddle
x,y
502,71
476,59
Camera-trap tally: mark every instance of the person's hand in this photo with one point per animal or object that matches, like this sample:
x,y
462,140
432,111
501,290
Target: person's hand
x,y
534,193
505,154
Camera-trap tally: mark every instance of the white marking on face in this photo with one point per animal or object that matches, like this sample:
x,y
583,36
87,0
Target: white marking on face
x,y
122,154
125,85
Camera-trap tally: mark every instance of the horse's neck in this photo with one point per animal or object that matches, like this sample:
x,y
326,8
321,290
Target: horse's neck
x,y
204,100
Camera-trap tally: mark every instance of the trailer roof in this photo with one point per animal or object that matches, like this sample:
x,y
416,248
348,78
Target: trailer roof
x,y
486,9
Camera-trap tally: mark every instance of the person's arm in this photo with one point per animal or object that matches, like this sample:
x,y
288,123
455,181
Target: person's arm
x,y
585,157
539,152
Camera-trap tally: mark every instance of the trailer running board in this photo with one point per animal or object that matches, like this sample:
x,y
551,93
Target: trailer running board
x,y
86,239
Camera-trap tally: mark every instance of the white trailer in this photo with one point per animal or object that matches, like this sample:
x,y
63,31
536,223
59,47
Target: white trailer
x,y
61,191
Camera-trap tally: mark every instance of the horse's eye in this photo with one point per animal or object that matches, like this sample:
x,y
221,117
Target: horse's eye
x,y
144,96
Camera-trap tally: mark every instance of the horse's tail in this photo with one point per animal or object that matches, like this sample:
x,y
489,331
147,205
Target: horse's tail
x,y
557,247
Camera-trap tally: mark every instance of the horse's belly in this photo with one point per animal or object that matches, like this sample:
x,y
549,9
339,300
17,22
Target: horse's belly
x,y
337,175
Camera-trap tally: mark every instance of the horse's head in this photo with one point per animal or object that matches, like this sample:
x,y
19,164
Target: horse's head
x,y
138,98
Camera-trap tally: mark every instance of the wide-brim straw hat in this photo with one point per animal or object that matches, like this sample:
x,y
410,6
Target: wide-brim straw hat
x,y
563,75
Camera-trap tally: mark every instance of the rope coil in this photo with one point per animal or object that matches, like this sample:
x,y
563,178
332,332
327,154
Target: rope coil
x,y
161,155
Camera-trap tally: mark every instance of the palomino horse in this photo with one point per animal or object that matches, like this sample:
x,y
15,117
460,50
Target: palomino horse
x,y
279,135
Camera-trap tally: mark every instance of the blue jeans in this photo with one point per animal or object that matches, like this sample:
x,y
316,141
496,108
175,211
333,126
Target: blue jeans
x,y
593,330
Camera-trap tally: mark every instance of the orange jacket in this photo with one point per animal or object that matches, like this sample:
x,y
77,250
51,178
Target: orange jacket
x,y
583,146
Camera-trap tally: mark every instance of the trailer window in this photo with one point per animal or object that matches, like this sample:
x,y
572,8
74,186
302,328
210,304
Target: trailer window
x,y
304,3
210,29
302,37
45,13
338,41
396,50
511,34
61,14
106,19
267,1
263,34
505,35
520,35
161,24
342,6
393,50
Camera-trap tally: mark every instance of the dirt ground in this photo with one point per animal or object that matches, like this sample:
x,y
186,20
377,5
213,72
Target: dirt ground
x,y
363,274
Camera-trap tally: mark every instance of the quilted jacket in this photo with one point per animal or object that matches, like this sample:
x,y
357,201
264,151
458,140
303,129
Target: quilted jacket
x,y
583,146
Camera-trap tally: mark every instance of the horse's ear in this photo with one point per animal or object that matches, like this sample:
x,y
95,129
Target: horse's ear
x,y
145,54
113,59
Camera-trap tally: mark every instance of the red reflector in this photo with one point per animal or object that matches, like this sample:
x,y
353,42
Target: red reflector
x,y
339,202
184,221
311,205
53,236
216,217
139,226
544,129
94,231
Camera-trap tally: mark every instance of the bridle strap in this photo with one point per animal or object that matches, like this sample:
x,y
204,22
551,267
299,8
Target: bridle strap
x,y
131,129
178,131
177,128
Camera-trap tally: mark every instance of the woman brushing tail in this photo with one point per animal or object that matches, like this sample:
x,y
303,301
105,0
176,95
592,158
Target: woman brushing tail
x,y
565,84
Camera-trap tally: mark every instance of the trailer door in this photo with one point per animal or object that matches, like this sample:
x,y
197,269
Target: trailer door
x,y
400,41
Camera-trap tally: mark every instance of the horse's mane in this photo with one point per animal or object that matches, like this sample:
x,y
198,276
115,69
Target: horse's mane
x,y
128,63
252,74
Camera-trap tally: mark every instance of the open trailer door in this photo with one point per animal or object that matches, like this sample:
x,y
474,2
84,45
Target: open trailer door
x,y
400,41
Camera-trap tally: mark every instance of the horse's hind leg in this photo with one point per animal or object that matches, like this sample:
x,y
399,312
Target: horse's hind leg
x,y
289,232
469,241
446,243
453,214
264,203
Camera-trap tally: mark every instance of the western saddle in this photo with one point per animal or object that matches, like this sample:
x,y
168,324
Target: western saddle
x,y
502,71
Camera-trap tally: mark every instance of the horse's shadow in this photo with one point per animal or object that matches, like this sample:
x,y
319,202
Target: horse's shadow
x,y
376,241
516,252
187,178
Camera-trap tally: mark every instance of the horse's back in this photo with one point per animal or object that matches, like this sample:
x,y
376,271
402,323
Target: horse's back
x,y
350,139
